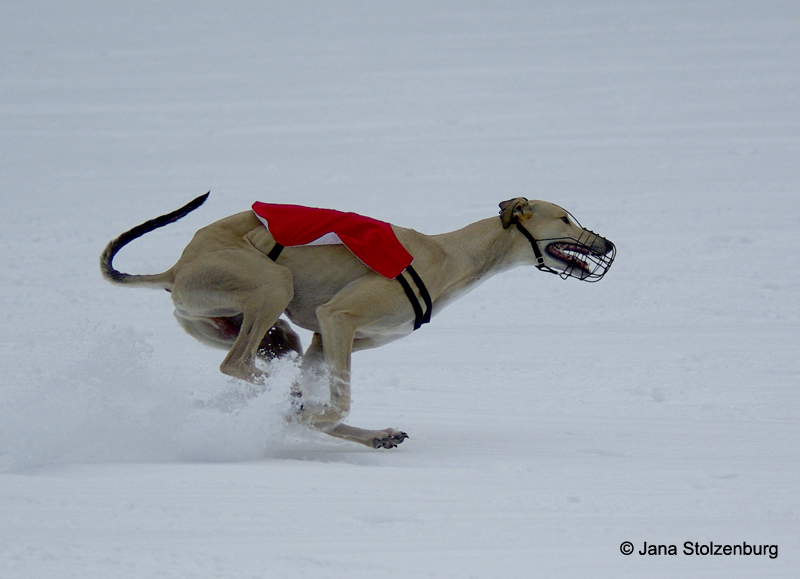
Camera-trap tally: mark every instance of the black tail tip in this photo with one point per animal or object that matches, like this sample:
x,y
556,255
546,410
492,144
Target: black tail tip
x,y
193,204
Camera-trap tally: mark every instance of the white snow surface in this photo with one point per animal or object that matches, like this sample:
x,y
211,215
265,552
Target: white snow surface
x,y
550,420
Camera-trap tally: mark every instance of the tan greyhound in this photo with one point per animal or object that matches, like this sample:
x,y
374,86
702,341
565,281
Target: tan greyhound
x,y
229,293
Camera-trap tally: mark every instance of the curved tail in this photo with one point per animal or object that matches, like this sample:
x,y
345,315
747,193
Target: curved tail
x,y
161,280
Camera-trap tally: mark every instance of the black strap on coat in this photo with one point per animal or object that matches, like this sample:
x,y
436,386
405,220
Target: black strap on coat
x,y
275,252
420,317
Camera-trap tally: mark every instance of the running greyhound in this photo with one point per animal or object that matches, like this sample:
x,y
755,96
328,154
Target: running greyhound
x,y
234,281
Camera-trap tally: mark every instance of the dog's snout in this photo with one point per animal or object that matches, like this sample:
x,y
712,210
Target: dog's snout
x,y
600,244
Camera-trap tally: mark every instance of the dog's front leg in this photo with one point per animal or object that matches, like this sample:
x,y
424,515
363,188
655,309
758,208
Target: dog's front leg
x,y
360,305
314,364
337,330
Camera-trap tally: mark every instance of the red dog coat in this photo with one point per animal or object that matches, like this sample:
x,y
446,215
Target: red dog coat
x,y
370,240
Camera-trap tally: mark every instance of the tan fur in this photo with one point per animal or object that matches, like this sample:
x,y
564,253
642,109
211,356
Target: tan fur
x,y
224,273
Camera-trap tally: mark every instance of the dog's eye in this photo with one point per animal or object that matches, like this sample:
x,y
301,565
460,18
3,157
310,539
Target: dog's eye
x,y
565,219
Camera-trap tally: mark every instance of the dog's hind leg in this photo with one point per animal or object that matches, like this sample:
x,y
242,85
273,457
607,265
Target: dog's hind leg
x,y
261,311
235,284
279,341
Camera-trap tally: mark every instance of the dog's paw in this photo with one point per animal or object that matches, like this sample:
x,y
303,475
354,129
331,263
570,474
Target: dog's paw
x,y
391,440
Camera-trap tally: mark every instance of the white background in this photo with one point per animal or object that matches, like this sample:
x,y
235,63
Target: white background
x,y
550,420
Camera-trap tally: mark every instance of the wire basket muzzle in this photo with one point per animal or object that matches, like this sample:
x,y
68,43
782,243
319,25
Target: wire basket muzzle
x,y
587,258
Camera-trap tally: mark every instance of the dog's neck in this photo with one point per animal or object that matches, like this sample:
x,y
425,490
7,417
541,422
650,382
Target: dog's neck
x,y
475,253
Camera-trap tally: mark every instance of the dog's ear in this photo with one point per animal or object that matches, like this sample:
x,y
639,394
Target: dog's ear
x,y
514,209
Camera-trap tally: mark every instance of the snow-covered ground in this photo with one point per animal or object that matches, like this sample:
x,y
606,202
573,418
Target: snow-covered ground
x,y
550,420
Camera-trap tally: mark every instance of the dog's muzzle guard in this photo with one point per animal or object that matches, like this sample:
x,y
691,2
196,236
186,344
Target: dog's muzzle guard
x,y
582,261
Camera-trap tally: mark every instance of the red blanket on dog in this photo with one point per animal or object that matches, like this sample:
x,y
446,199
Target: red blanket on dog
x,y
370,240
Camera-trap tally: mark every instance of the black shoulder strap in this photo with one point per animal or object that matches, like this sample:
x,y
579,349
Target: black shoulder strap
x,y
413,299
420,317
423,291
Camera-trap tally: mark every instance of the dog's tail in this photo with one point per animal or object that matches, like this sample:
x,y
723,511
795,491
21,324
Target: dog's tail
x,y
161,280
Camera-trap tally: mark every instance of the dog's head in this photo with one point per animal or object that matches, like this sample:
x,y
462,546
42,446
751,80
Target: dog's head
x,y
564,247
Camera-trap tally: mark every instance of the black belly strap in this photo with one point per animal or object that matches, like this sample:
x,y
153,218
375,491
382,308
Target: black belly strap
x,y
275,252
